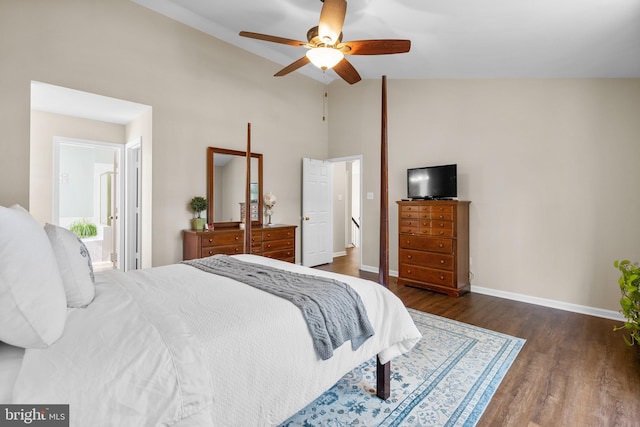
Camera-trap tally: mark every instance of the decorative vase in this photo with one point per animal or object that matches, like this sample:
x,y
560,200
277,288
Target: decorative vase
x,y
198,224
269,202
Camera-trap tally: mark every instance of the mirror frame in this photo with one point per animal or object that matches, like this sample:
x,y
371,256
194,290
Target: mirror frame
x,y
211,151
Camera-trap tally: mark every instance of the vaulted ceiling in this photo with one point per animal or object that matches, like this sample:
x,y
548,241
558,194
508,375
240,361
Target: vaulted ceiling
x,y
450,38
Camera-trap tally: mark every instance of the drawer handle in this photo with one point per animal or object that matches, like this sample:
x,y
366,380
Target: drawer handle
x,y
408,242
409,256
237,237
236,249
441,261
441,216
441,224
441,277
269,246
210,252
441,233
408,271
210,240
441,245
268,234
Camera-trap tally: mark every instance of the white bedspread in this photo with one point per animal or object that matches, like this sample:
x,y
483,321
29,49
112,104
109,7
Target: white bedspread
x,y
175,345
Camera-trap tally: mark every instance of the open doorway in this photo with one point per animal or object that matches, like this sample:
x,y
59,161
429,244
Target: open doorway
x,y
86,196
347,217
94,127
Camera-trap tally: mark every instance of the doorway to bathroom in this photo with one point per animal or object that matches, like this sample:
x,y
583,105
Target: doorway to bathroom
x,y
87,196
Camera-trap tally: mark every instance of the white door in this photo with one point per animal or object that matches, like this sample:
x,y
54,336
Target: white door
x,y
317,212
114,218
133,200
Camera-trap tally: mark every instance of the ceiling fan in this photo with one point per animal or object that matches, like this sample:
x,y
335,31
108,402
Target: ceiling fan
x,y
326,49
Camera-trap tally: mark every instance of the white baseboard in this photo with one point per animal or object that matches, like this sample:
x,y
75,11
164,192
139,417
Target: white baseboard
x,y
370,269
560,305
341,253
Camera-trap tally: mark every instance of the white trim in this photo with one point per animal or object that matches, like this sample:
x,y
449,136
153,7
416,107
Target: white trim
x,y
133,187
339,254
370,269
560,305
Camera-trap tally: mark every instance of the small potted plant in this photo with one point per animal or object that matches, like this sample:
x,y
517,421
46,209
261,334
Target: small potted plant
x,y
198,204
83,228
629,283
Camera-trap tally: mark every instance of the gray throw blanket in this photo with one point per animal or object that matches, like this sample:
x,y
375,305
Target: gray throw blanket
x,y
333,311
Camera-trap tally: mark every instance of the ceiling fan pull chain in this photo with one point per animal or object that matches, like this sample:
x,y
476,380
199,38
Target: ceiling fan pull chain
x,y
325,96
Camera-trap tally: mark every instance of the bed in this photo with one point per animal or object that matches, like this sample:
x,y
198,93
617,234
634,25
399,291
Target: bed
x,y
170,345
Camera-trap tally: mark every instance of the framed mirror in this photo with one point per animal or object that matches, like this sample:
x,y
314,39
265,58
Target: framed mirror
x,y
226,179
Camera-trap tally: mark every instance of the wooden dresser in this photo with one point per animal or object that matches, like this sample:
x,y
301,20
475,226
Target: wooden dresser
x,y
433,237
276,241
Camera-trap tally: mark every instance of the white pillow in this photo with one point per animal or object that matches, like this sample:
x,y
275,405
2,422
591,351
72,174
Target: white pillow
x,y
74,263
33,307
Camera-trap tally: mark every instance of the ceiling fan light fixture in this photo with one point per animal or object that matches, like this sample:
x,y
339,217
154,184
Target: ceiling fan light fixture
x,y
324,57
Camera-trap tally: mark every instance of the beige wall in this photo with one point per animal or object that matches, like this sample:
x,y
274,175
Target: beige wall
x,y
202,91
550,167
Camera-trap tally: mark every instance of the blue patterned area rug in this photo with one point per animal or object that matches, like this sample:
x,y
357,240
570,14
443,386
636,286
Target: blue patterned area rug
x,y
447,379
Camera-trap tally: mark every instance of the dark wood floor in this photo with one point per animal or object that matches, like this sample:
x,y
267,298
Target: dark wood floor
x,y
573,370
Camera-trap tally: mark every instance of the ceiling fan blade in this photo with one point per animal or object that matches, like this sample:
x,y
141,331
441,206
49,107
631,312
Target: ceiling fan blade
x,y
274,39
375,47
345,70
293,66
331,21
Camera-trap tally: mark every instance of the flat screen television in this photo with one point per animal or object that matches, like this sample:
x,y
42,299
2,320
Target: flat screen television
x,y
432,182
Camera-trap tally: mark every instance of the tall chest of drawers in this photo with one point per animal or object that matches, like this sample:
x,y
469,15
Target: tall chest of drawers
x,y
277,241
433,243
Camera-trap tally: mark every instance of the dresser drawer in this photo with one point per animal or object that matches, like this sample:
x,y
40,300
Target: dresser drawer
x,y
409,229
410,222
439,232
441,228
287,233
427,275
427,259
414,208
436,209
443,216
222,239
413,215
273,245
283,254
225,250
425,243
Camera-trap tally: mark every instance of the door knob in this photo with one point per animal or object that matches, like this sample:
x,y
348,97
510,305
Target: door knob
x,y
306,218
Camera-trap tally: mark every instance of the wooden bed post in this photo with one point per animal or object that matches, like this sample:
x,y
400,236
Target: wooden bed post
x,y
247,197
383,372
383,269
